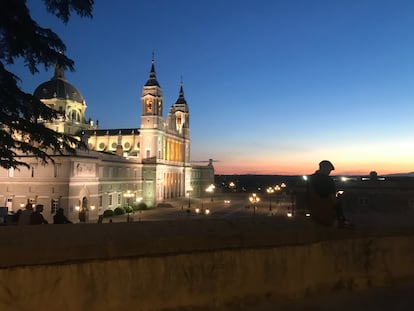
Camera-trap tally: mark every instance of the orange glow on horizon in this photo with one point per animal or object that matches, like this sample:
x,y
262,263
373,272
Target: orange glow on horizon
x,y
221,168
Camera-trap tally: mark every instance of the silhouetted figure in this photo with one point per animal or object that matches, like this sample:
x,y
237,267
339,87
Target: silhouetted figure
x,y
37,218
60,217
16,216
324,201
3,215
24,217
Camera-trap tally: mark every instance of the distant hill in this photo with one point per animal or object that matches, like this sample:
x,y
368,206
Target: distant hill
x,y
410,174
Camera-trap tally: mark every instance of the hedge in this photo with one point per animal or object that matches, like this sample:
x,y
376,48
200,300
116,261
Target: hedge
x,y
119,211
108,213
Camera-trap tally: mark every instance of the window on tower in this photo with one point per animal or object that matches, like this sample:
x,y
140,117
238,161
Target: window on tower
x,y
149,105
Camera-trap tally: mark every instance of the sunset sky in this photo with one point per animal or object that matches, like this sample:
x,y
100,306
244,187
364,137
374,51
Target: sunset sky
x,y
273,86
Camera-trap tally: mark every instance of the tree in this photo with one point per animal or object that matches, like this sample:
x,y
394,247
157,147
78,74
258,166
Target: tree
x,y
22,116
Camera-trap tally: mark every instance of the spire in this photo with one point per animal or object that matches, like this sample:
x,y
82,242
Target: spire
x,y
59,72
152,81
181,99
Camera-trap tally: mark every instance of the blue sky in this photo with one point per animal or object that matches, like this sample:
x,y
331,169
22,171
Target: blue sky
x,y
273,86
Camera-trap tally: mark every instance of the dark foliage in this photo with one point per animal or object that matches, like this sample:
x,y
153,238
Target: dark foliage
x,y
119,211
140,207
22,116
108,213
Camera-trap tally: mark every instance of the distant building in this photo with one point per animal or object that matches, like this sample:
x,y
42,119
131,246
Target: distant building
x,y
124,165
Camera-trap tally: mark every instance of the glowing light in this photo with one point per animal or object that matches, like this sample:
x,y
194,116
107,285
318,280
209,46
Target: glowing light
x,y
254,198
210,188
129,194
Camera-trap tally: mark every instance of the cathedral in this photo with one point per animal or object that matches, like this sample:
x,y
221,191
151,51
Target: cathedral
x,y
149,164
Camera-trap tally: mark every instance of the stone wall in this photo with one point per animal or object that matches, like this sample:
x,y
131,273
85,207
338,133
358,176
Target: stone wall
x,y
188,264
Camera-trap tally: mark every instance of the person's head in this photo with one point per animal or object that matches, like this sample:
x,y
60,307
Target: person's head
x,y
59,210
39,208
325,167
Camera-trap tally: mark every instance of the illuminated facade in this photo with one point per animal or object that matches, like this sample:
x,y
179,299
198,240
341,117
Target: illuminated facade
x,y
152,163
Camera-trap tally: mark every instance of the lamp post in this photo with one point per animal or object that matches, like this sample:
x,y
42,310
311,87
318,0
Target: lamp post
x,y
232,185
128,195
254,199
277,189
270,191
189,190
210,189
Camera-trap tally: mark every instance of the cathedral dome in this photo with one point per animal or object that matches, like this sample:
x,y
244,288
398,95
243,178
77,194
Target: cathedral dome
x,y
58,87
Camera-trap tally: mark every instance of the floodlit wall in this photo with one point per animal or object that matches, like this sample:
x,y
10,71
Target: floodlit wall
x,y
161,265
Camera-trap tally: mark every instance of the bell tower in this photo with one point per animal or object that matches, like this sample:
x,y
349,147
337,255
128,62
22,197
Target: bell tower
x,y
152,102
152,122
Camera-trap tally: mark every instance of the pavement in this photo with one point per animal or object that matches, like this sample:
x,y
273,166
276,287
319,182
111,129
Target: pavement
x,y
178,209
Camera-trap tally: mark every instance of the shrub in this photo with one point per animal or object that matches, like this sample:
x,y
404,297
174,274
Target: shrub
x,y
128,209
108,213
141,206
119,211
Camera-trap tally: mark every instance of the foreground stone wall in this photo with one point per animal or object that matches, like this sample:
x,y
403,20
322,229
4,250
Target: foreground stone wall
x,y
214,263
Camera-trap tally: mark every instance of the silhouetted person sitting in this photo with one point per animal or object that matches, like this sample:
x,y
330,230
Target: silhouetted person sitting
x,y
60,217
16,216
324,201
24,217
37,218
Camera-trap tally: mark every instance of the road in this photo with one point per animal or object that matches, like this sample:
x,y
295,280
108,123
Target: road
x,y
240,207
234,206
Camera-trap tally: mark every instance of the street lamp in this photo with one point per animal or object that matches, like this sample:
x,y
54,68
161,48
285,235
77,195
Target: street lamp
x,y
254,199
232,185
128,195
277,189
270,191
189,190
210,189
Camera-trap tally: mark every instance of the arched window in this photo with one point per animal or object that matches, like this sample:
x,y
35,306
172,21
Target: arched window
x,y
74,116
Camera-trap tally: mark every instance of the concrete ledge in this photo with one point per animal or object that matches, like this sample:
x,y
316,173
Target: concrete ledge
x,y
188,264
